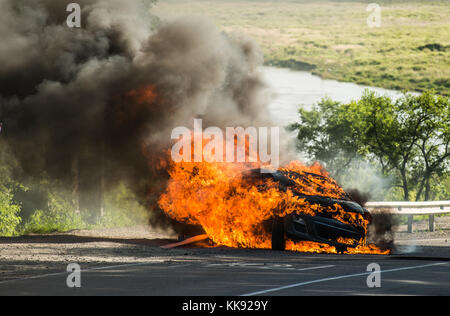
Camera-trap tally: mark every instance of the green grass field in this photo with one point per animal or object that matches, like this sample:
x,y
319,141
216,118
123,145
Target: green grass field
x,y
410,51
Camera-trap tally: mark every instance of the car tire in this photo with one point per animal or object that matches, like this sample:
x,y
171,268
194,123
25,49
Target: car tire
x,y
341,249
278,238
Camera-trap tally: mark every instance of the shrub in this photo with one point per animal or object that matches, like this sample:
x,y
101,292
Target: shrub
x,y
60,217
9,213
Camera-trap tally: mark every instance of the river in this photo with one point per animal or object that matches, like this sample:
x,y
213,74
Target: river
x,y
291,89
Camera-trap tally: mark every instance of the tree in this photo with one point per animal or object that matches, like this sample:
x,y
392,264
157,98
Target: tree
x,y
325,134
407,138
433,137
385,132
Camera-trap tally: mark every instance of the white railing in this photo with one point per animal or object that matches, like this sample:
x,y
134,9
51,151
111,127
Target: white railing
x,y
410,209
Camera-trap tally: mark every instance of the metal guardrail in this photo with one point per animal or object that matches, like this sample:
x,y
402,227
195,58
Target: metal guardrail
x,y
410,209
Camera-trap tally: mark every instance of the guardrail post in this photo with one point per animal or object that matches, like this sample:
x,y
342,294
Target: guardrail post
x,y
431,222
410,224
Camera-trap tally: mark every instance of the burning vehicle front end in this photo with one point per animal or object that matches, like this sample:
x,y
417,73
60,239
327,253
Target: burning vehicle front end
x,y
321,227
301,227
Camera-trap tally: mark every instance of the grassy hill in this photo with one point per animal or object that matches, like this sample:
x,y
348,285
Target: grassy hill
x,y
411,49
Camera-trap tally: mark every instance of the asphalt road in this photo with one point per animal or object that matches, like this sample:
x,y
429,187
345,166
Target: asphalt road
x,y
247,272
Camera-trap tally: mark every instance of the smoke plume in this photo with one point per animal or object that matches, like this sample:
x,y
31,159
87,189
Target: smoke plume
x,y
97,104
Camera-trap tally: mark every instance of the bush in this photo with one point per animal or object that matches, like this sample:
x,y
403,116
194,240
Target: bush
x,y
121,210
9,210
9,213
60,217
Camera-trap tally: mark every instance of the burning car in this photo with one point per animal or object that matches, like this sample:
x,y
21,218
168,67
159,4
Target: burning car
x,y
322,227
297,208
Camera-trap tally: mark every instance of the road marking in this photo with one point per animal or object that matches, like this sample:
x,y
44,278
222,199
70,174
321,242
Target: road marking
x,y
41,276
263,266
338,278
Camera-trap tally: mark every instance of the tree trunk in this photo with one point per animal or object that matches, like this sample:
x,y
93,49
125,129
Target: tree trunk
x,y
427,189
405,185
102,180
75,184
423,184
419,192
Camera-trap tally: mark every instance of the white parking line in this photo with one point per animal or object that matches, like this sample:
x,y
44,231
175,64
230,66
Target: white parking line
x,y
40,276
338,278
265,266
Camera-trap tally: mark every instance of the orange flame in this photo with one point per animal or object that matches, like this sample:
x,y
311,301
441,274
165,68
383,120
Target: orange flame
x,y
233,212
146,94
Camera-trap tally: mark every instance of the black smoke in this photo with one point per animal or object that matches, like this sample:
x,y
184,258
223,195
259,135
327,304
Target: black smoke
x,y
381,229
71,102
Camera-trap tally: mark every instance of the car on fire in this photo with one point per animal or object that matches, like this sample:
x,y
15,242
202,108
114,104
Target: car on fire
x,y
318,201
320,228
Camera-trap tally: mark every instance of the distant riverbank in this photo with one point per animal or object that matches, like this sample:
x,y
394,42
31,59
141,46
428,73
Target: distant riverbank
x,y
409,51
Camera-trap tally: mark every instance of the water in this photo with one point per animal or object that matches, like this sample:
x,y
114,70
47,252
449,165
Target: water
x,y
292,89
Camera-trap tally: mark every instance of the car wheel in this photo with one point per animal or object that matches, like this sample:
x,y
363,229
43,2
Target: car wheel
x,y
341,249
278,239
